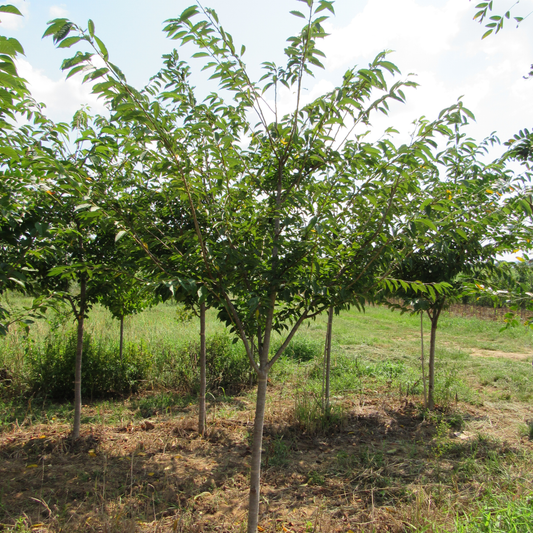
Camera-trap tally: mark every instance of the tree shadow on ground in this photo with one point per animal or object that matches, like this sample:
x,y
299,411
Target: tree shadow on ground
x,y
163,475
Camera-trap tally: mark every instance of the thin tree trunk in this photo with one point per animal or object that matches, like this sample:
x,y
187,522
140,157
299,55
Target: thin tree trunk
x,y
201,400
121,345
79,353
327,362
255,473
431,385
422,360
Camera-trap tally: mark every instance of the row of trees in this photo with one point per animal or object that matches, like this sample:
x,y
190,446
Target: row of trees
x,y
270,219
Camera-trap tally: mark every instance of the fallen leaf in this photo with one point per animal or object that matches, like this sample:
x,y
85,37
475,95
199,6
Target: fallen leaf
x,y
92,453
32,466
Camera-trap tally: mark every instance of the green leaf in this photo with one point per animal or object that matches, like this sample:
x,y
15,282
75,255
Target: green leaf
x,y
75,70
62,31
119,235
90,27
102,48
10,46
298,14
188,13
8,8
78,58
462,233
10,152
428,223
69,41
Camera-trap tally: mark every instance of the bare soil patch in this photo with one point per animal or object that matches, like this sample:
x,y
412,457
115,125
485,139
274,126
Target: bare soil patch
x,y
478,352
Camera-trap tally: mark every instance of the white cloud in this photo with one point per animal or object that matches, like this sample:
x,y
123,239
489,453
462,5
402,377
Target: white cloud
x,y
418,31
15,22
62,97
441,43
58,11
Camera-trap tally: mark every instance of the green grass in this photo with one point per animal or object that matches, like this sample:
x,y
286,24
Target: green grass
x,y
374,347
499,514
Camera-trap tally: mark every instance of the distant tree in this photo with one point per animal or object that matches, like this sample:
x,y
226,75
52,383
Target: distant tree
x,y
470,223
75,255
123,294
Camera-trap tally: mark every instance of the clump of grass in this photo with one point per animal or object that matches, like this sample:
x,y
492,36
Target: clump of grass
x,y
500,516
162,402
314,419
104,374
277,452
302,349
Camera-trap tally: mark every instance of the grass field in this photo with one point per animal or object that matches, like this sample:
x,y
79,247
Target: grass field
x,y
379,462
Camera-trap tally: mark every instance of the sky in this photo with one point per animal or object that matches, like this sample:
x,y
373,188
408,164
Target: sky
x,y
435,40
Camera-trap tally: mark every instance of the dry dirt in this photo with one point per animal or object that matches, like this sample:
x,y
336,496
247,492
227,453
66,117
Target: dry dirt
x,y
478,352
377,470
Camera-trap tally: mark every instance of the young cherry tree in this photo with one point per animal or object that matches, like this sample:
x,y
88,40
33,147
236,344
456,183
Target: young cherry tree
x,y
285,214
474,214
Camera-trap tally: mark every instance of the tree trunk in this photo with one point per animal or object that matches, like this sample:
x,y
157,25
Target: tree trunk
x,y
422,360
255,470
327,362
121,345
201,400
434,317
255,473
79,352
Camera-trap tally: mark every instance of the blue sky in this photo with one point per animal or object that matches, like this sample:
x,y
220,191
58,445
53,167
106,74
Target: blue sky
x,y
437,40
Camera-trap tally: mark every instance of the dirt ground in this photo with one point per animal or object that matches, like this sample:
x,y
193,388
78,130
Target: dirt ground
x,y
477,352
382,468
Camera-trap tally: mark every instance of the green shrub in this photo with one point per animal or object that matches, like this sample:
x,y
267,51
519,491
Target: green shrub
x,y
103,373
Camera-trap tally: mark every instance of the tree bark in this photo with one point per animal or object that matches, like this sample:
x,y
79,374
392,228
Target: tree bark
x,y
434,317
255,470
79,352
422,360
203,373
327,362
121,345
255,473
